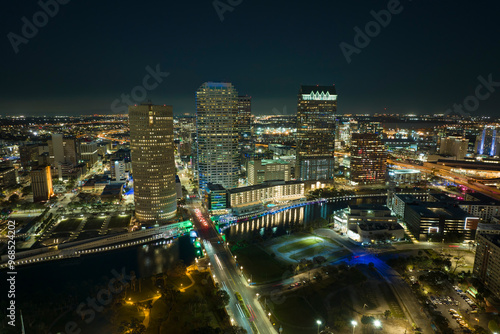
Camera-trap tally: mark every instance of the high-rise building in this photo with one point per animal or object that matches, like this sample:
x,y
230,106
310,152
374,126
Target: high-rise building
x,y
56,148
261,170
41,184
246,144
454,146
152,150
88,153
28,155
488,142
63,150
71,151
118,170
316,110
487,261
368,159
217,134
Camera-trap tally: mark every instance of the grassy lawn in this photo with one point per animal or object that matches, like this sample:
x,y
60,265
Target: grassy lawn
x,y
94,223
258,264
68,225
311,252
295,246
119,221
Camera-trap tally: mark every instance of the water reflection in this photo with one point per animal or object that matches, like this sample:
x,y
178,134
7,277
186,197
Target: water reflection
x,y
287,221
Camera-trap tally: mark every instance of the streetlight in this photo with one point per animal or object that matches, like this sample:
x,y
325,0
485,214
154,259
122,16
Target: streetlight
x,y
319,324
354,323
377,323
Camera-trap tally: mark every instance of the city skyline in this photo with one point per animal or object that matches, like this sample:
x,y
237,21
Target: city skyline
x,y
402,59
242,167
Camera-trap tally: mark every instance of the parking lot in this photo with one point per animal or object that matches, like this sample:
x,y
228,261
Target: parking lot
x,y
458,307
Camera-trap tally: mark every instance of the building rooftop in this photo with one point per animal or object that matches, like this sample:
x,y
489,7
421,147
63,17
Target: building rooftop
x,y
436,210
379,226
266,184
307,89
112,189
493,238
405,171
372,207
215,187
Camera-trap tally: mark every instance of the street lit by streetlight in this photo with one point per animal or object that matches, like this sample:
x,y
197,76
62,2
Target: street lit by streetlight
x,y
354,323
319,324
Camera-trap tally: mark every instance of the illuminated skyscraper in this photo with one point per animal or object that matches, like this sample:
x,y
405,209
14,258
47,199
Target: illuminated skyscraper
x,y
152,150
41,184
217,134
246,144
368,159
316,110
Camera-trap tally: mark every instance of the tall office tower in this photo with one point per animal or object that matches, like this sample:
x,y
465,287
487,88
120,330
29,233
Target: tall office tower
x,y
343,134
246,144
368,159
41,184
152,150
316,110
88,153
63,150
71,151
488,142
217,134
117,170
29,156
56,148
454,146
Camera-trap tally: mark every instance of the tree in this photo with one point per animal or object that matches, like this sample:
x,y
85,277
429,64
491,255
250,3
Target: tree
x,y
365,320
26,190
14,198
387,314
223,298
480,330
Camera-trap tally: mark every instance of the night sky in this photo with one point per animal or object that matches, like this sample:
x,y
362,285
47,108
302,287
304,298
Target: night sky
x,y
426,59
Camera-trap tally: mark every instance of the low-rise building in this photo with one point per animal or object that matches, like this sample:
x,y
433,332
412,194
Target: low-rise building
x,y
368,222
405,176
96,185
425,220
112,192
369,233
216,198
269,191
